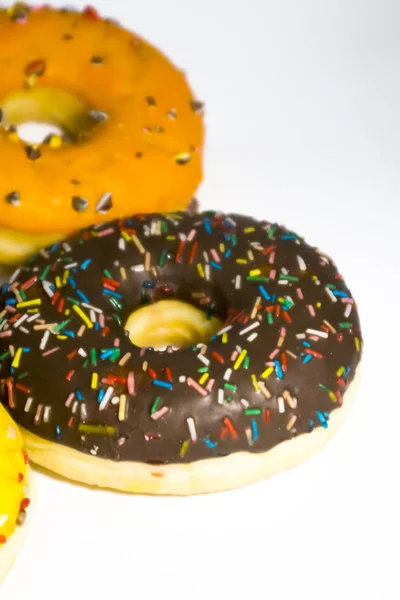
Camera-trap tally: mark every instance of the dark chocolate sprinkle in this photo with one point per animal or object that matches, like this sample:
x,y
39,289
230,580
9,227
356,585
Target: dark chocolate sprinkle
x,y
97,60
79,204
68,37
36,67
104,204
13,198
75,182
33,152
197,107
1,116
182,159
151,101
98,115
172,114
139,154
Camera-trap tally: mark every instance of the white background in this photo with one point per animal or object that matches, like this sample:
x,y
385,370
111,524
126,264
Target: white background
x,y
303,103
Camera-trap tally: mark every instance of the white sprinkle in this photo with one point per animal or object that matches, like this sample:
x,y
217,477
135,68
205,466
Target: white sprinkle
x,y
249,436
28,404
44,340
249,328
302,264
203,359
182,378
122,244
92,316
301,336
82,352
192,429
322,334
283,282
21,320
46,414
91,307
291,422
220,396
24,330
115,401
137,268
33,317
245,402
205,255
70,266
107,397
252,337
224,330
14,276
347,310
207,272
281,404
74,407
331,295
66,247
238,282
47,288
228,374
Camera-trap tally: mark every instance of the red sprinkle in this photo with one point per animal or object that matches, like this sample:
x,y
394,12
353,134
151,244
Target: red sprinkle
x,y
168,374
267,415
25,502
105,331
23,388
152,373
179,252
229,425
70,375
193,252
20,477
3,539
287,317
28,283
217,357
91,13
72,354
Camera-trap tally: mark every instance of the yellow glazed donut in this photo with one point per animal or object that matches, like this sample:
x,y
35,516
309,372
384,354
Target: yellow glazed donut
x,y
15,496
133,131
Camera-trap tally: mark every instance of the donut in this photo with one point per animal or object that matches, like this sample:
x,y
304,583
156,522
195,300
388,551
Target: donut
x,y
178,354
15,493
132,130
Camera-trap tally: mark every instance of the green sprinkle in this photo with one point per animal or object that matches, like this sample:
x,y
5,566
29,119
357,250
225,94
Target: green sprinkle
x,y
345,325
252,411
246,362
44,274
86,363
22,375
324,387
230,386
93,358
115,303
257,278
115,355
271,232
73,300
117,318
164,226
162,258
270,318
155,405
288,278
5,355
60,326
202,370
108,274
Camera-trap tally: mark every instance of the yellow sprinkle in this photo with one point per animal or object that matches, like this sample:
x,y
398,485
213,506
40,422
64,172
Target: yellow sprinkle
x,y
35,302
17,357
147,261
171,238
200,269
62,337
249,229
65,277
240,359
138,244
250,254
13,136
340,371
318,305
82,315
241,261
32,311
357,344
267,372
55,141
332,397
67,312
126,236
58,281
122,270
203,378
255,384
122,412
97,429
224,337
95,380
184,448
222,248
255,272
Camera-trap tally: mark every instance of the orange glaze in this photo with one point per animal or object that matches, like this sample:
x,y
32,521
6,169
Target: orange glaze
x,y
57,66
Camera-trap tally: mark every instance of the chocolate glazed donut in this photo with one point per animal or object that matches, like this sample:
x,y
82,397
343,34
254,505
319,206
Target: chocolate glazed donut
x,y
276,370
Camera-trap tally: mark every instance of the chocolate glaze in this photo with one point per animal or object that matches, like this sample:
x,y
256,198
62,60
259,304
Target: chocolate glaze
x,y
163,256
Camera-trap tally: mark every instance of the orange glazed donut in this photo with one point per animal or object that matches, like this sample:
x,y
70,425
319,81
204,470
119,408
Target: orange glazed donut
x,y
133,131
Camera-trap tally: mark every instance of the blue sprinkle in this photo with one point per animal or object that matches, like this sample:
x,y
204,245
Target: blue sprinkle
x,y
254,429
164,384
71,282
58,431
82,296
307,358
340,294
100,396
278,369
110,293
148,284
346,371
311,425
97,326
307,344
207,226
86,263
79,395
209,443
4,288
54,247
228,253
288,237
11,301
26,349
70,334
264,292
273,298
322,419
215,265
104,354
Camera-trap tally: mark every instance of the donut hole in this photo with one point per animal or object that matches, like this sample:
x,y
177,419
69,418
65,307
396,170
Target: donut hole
x,y
171,323
49,115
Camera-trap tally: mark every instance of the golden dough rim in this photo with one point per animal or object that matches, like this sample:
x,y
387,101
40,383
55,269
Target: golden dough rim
x,y
199,477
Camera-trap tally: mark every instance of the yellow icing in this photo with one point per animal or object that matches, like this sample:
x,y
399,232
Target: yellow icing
x,y
12,464
16,246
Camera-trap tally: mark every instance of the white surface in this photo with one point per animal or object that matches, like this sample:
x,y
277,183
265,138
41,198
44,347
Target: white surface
x,y
303,127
